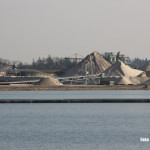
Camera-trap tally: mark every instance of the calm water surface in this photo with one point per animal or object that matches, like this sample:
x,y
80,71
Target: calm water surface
x,y
110,94
74,126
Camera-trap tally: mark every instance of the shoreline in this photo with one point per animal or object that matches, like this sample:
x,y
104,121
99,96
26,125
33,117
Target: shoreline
x,y
76,101
72,87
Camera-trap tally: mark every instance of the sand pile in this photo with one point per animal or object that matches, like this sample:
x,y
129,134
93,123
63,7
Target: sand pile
x,y
123,74
48,82
127,80
2,74
120,69
124,80
93,64
138,80
146,67
143,74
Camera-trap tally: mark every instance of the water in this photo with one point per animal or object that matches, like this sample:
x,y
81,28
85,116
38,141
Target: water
x,y
99,126
95,126
49,95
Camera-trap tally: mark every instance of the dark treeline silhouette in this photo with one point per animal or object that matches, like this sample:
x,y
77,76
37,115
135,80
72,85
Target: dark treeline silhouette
x,y
138,63
4,63
56,63
48,63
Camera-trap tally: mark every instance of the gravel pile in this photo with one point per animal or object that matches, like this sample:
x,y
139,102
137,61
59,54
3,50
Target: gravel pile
x,y
93,64
48,82
120,69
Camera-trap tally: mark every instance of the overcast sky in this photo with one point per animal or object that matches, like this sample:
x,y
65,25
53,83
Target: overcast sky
x,y
33,28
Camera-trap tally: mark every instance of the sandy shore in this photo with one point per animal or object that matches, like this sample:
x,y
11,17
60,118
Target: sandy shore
x,y
72,87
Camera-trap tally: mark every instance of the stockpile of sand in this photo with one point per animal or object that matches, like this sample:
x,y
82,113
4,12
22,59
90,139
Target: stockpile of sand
x,y
48,82
123,74
146,67
138,80
120,69
93,64
124,80
2,74
143,74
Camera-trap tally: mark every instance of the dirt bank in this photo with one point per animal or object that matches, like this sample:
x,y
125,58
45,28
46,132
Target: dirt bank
x,y
73,87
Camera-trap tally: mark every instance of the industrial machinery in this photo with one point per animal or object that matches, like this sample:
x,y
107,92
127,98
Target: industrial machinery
x,y
111,57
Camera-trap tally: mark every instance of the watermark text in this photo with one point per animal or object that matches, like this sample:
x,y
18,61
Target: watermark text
x,y
144,139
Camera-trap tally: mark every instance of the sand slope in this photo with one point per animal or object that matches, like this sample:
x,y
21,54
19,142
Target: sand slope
x,y
120,69
48,82
93,63
124,80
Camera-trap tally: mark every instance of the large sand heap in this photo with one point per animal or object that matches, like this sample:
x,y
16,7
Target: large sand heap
x,y
93,64
146,67
2,74
48,82
120,69
138,80
124,80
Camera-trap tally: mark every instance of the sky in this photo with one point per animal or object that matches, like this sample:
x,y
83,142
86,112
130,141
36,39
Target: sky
x,y
36,28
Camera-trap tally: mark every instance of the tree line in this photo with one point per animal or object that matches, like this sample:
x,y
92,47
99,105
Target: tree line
x,y
56,63
49,63
4,63
138,63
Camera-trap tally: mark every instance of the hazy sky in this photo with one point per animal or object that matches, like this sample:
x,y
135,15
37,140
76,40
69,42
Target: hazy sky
x,y
33,28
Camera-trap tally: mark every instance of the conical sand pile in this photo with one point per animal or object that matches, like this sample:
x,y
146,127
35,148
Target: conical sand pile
x,y
93,64
48,82
2,74
146,67
120,69
138,80
124,80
